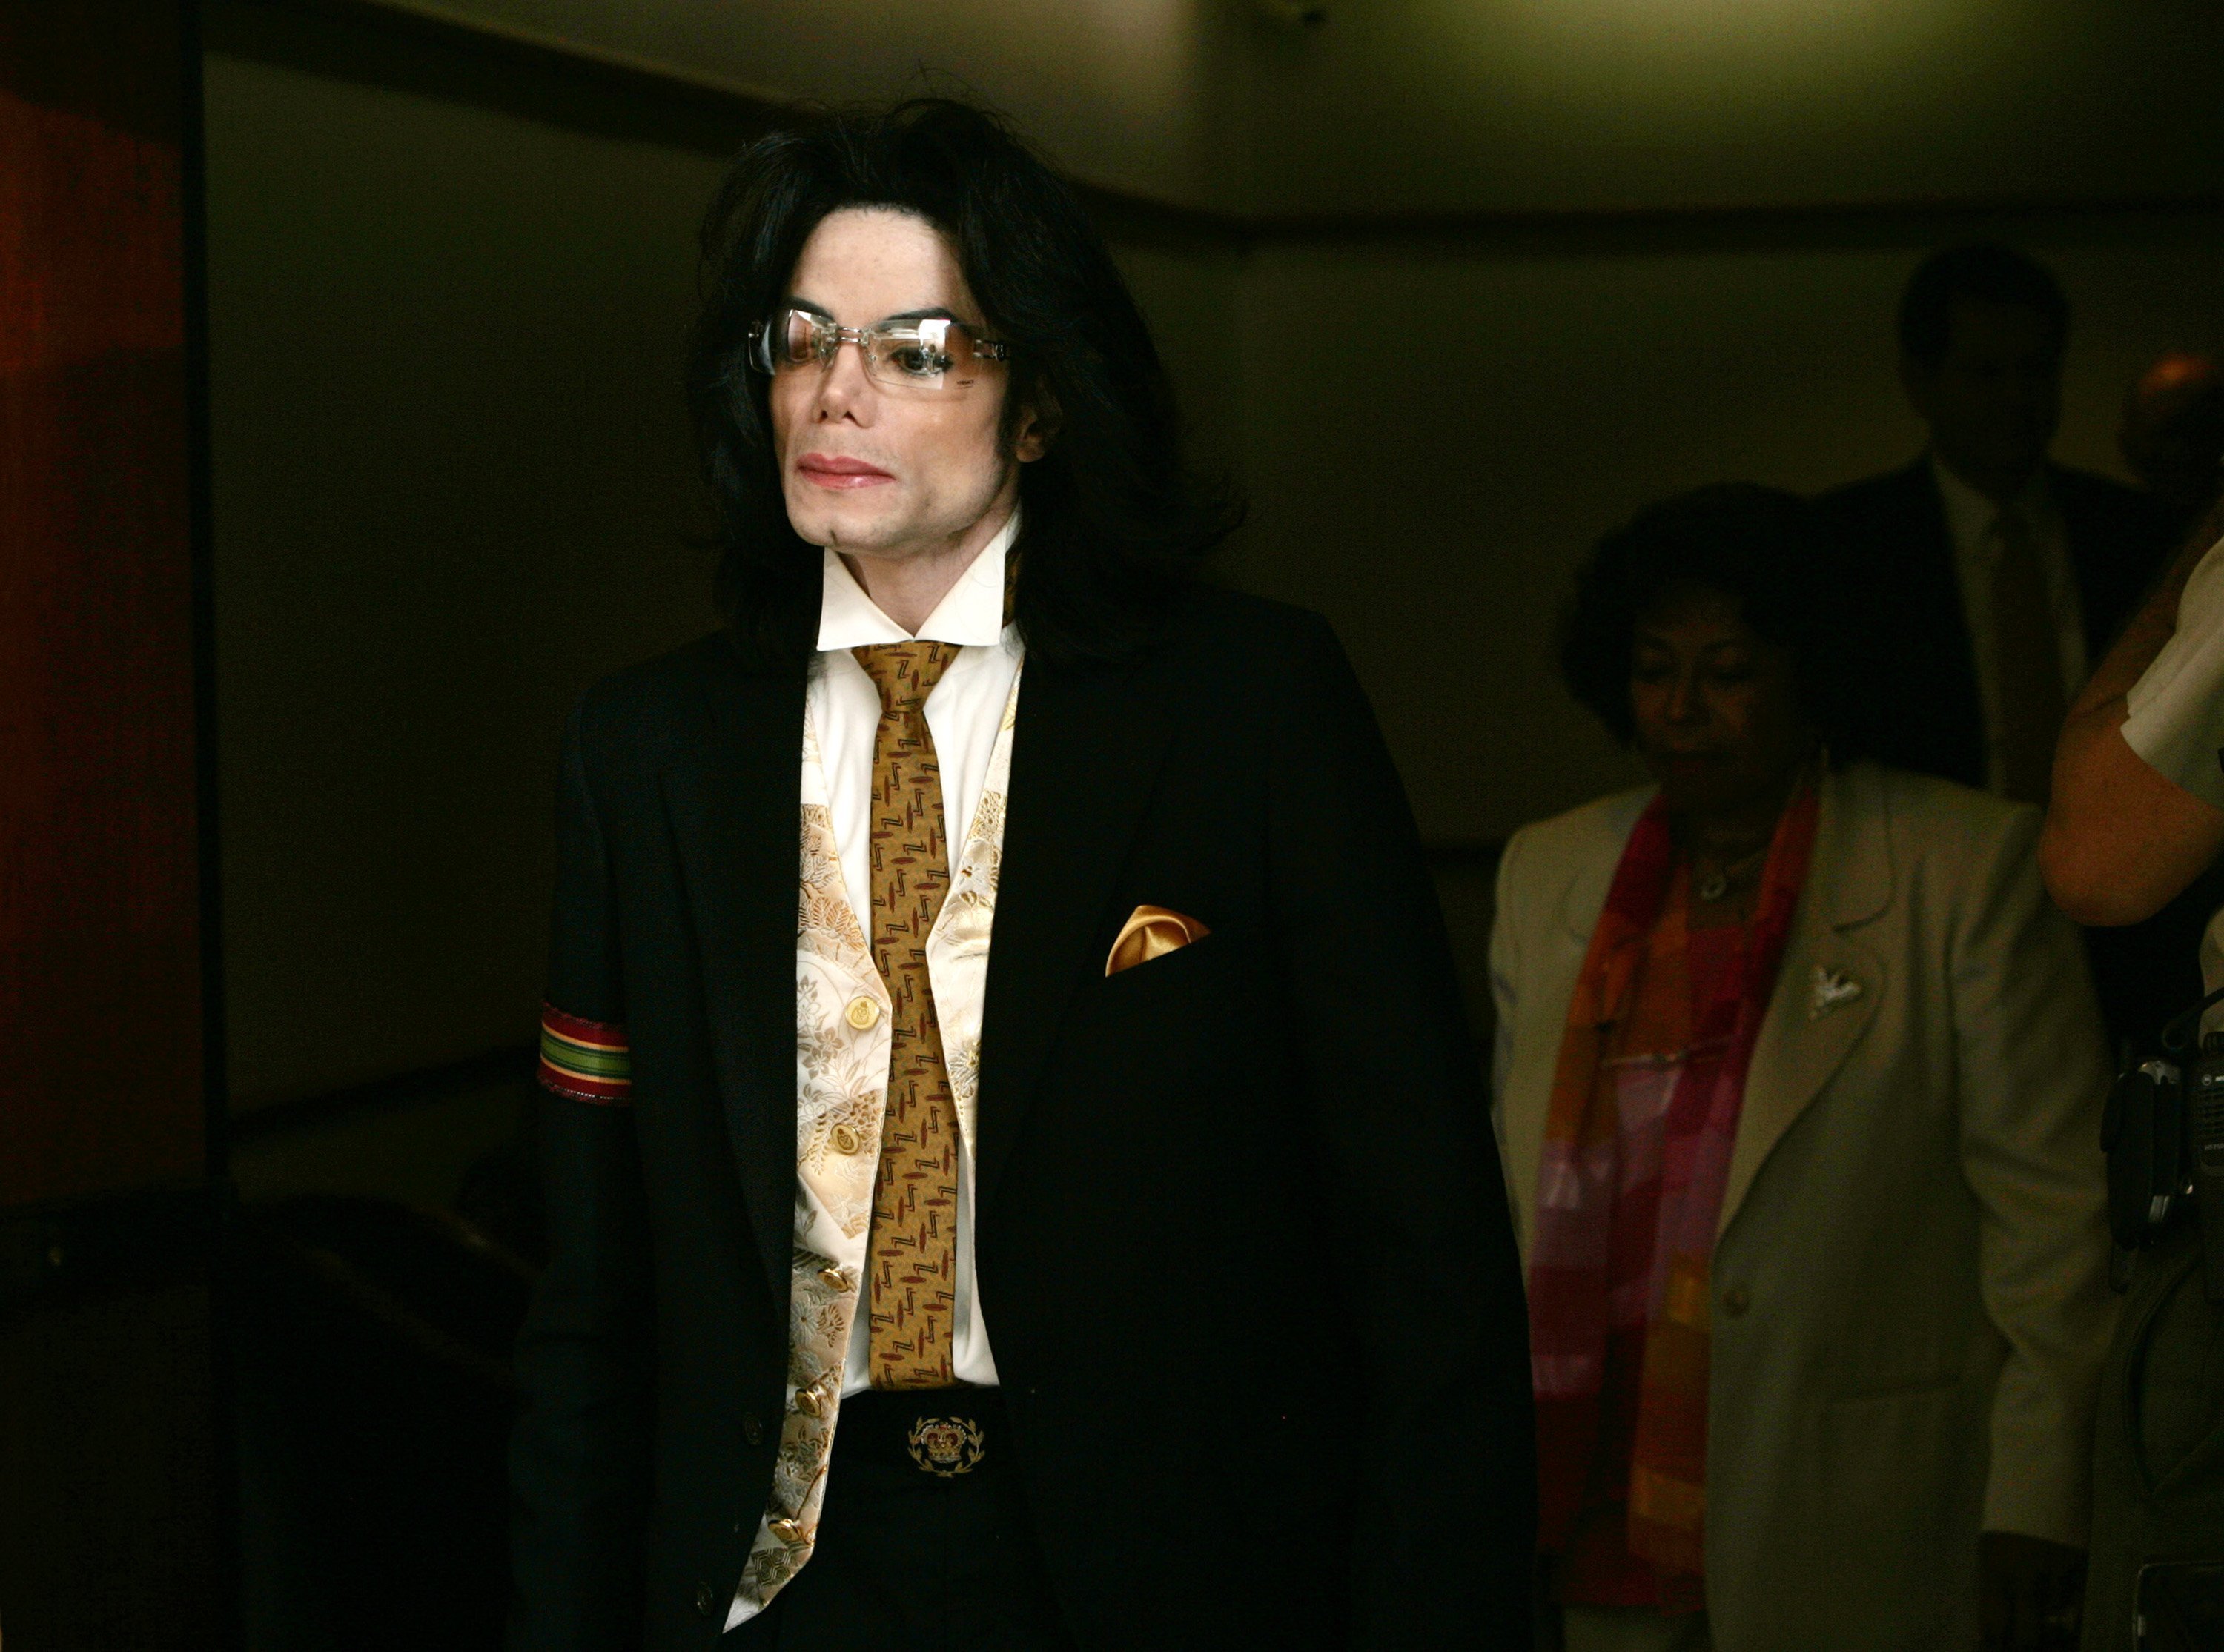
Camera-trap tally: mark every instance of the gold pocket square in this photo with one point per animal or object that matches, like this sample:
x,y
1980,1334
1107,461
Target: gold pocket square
x,y
1151,932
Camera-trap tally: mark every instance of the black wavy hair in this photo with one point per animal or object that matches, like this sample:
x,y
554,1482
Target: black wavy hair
x,y
1113,522
1773,554
1987,272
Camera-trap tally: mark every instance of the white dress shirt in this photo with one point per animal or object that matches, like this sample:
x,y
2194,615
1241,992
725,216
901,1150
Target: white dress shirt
x,y
1972,521
963,716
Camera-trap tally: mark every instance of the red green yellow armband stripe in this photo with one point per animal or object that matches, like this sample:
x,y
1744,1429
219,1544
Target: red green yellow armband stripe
x,y
588,1060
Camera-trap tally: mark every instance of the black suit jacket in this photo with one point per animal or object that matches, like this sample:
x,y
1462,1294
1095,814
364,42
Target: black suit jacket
x,y
1923,708
1928,715
1242,1245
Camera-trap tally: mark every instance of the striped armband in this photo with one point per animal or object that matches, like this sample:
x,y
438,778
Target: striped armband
x,y
588,1060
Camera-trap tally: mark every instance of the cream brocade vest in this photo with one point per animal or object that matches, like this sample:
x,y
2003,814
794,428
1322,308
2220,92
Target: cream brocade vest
x,y
842,1056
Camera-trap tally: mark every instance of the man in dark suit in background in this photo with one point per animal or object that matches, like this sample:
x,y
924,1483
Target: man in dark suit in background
x,y
1986,577
1018,1177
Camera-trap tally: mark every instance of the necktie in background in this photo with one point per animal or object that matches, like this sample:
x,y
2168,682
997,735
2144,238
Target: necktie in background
x,y
913,1253
2028,701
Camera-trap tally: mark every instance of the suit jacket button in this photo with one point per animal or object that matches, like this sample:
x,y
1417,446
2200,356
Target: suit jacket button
x,y
704,1601
752,1428
1736,1300
863,1012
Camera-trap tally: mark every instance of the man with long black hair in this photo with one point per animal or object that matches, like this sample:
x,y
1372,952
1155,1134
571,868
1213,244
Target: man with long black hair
x,y
1018,1176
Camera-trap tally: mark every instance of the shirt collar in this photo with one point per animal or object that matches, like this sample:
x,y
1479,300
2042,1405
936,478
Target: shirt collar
x,y
971,613
1970,514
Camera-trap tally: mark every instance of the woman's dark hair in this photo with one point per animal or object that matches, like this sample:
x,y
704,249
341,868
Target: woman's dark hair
x,y
1773,554
1112,522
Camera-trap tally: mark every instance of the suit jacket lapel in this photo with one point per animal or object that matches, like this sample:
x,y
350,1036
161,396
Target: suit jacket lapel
x,y
732,801
1585,900
1814,1019
1085,749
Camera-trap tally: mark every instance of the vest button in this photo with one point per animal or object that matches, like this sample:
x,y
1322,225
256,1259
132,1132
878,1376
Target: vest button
x,y
704,1601
863,1012
845,1139
752,1428
1736,1300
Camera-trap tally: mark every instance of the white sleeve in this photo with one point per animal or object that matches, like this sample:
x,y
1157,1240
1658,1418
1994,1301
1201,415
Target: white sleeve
x,y
2176,720
2033,1075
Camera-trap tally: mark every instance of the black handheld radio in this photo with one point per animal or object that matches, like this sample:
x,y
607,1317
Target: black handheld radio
x,y
2164,1134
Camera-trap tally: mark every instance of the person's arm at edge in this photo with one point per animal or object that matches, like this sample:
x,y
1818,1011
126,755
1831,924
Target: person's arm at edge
x,y
2121,839
579,1455
1444,1518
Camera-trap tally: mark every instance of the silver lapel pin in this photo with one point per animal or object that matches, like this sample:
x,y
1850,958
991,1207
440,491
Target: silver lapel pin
x,y
1832,991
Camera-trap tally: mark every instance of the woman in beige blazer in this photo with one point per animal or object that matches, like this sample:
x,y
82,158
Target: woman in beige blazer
x,y
1905,1305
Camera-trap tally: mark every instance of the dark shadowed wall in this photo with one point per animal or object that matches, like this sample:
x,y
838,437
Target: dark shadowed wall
x,y
452,487
1609,105
110,1514
1434,497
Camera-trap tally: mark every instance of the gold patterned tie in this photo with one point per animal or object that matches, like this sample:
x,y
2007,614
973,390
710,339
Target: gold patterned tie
x,y
2027,696
913,1251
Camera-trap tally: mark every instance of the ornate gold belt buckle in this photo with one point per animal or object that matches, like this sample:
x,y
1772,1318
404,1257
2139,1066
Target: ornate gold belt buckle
x,y
947,1447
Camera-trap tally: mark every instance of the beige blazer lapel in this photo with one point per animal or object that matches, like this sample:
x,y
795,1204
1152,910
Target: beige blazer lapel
x,y
1831,982
1569,862
1585,901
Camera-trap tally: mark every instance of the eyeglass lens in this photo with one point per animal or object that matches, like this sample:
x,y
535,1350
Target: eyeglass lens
x,y
931,353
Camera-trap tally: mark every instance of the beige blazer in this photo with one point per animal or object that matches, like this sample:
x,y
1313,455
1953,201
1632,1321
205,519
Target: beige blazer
x,y
1909,1280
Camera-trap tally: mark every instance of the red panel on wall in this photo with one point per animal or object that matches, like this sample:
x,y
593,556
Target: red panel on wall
x,y
100,1000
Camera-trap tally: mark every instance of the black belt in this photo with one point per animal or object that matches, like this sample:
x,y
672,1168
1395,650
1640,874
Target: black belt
x,y
944,1432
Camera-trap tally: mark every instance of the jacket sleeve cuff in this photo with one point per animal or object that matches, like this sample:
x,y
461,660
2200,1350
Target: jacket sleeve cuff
x,y
2039,1489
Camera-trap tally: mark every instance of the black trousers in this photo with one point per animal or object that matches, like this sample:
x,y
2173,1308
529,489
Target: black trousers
x,y
911,1559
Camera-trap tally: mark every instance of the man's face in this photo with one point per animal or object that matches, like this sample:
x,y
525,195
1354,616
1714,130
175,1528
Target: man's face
x,y
1994,402
883,472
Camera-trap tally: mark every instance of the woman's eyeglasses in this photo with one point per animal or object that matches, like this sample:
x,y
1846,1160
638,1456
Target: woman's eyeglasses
x,y
934,353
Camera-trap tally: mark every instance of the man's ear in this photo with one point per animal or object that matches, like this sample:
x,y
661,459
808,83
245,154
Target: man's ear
x,y
1039,423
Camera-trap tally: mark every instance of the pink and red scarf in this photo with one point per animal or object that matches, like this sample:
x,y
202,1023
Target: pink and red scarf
x,y
1644,1107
